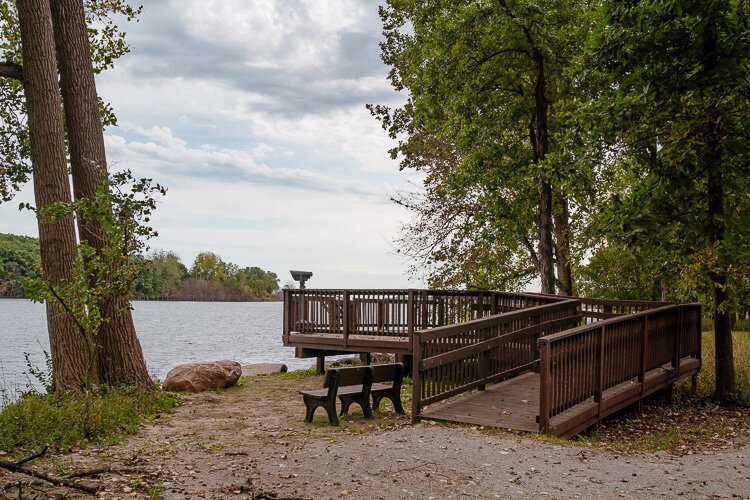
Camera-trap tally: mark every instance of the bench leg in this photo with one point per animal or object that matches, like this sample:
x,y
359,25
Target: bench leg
x,y
309,409
330,407
347,401
332,418
396,400
397,405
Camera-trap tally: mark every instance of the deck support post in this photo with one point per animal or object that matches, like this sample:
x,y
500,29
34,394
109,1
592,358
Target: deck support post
x,y
320,364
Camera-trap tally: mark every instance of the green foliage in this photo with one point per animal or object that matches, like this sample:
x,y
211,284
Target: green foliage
x,y
670,112
164,277
63,420
42,375
19,258
161,277
470,68
107,45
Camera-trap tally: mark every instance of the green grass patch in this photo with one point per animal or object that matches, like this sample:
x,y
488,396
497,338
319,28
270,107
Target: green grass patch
x,y
297,374
64,420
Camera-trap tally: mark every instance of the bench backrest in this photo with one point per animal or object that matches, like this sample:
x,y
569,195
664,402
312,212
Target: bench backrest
x,y
349,376
385,373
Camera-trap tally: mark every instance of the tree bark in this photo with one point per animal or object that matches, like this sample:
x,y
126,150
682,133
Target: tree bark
x,y
725,383
562,246
540,146
69,348
119,354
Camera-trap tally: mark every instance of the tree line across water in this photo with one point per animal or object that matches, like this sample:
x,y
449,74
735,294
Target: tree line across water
x,y
162,277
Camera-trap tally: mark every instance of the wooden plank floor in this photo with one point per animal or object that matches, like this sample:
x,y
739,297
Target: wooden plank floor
x,y
511,404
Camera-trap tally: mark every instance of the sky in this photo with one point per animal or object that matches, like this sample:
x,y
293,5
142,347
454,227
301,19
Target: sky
x,y
252,114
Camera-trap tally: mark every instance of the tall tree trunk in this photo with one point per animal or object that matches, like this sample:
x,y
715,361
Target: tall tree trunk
x,y
69,348
562,245
725,383
540,146
120,358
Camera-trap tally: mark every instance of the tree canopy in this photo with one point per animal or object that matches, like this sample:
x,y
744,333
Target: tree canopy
x,y
616,132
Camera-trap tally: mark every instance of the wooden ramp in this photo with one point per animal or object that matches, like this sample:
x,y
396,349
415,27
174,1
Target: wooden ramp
x,y
512,404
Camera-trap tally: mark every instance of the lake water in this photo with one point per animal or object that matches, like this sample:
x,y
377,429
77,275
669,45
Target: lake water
x,y
170,333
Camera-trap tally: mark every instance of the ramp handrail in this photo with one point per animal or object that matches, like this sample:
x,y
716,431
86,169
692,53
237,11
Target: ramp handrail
x,y
453,359
583,362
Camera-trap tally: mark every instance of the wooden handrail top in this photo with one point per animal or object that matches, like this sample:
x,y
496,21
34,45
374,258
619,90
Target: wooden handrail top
x,y
405,291
548,339
495,319
611,302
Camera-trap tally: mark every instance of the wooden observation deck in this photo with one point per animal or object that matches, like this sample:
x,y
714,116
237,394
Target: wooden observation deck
x,y
522,361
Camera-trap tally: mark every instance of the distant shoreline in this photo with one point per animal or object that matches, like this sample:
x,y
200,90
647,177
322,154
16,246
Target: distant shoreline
x,y
132,299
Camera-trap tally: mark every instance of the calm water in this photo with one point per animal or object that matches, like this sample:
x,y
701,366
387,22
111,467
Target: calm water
x,y
170,333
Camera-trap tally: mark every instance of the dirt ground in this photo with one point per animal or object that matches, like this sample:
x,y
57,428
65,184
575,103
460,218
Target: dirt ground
x,y
251,442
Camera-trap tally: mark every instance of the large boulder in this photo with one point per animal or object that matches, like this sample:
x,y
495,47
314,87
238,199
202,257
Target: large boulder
x,y
263,369
198,377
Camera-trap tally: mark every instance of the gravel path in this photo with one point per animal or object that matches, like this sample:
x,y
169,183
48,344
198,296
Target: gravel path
x,y
251,442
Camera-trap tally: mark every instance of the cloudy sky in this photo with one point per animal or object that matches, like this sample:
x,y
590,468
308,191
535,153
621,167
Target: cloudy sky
x,y
252,113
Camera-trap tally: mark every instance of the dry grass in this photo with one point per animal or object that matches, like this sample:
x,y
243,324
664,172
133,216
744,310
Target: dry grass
x,y
707,375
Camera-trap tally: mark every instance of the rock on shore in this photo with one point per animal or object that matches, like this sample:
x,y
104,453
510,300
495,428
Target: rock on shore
x,y
198,377
263,369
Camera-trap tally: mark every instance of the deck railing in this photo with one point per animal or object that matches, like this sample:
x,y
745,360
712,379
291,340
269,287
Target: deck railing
x,y
392,314
596,309
457,358
615,355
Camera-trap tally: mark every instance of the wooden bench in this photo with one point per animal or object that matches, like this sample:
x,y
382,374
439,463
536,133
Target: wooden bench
x,y
351,385
393,372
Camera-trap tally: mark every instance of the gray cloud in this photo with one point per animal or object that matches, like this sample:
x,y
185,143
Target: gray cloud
x,y
297,65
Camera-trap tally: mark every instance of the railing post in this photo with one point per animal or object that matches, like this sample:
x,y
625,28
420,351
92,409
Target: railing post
x,y
599,371
346,318
493,305
545,385
302,316
410,315
416,378
676,356
642,367
423,308
287,313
